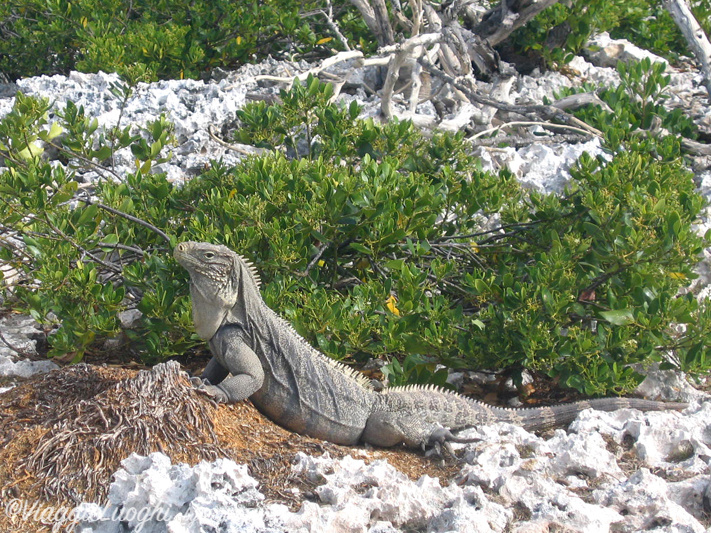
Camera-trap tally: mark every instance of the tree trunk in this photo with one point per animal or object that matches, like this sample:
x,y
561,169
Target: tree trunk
x,y
695,37
377,20
500,21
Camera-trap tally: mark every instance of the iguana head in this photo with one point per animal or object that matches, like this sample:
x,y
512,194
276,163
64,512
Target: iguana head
x,y
218,279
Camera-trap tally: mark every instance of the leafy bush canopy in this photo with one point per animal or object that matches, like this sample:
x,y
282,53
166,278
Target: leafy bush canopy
x,y
373,241
562,30
144,41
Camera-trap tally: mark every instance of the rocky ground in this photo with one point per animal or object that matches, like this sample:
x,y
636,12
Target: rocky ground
x,y
622,471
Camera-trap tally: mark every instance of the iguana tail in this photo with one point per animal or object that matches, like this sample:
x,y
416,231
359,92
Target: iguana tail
x,y
420,415
541,418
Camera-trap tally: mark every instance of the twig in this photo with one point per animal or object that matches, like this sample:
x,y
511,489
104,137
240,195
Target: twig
x,y
76,245
519,141
547,125
497,230
340,57
119,246
86,160
321,249
331,22
576,101
128,217
236,147
14,348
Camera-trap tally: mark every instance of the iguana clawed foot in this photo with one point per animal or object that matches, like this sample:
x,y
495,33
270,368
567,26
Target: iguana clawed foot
x,y
215,392
442,438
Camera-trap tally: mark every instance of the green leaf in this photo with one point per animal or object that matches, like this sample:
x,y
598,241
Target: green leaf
x,y
65,193
618,317
102,153
395,264
361,248
481,286
87,213
55,130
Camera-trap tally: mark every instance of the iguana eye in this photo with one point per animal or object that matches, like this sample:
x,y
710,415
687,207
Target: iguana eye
x,y
209,255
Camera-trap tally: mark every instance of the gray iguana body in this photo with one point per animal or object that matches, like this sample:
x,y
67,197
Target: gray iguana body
x,y
303,390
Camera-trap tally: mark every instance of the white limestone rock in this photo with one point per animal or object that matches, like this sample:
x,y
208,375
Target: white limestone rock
x,y
508,468
672,441
390,497
587,72
569,482
575,454
644,502
150,494
543,168
190,105
21,332
604,51
668,385
661,439
692,494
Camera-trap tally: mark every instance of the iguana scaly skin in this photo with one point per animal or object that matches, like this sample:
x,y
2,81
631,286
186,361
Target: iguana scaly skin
x,y
305,391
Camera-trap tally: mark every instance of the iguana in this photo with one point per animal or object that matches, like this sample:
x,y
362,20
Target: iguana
x,y
307,392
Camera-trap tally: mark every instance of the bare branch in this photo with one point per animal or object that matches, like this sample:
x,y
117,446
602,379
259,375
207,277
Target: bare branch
x,y
332,24
547,112
404,54
386,35
239,148
79,247
576,101
547,125
501,20
376,18
127,217
695,37
321,249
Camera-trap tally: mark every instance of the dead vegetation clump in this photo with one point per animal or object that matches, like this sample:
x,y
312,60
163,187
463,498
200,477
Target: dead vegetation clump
x,y
93,419
65,433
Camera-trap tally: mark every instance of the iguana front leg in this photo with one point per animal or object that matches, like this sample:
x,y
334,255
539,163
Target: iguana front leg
x,y
232,355
214,372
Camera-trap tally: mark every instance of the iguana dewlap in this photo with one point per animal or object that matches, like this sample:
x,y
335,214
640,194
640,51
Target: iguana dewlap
x,y
305,391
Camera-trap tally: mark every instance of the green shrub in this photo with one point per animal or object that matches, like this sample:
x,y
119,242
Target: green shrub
x,y
144,41
647,24
643,22
636,105
370,241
